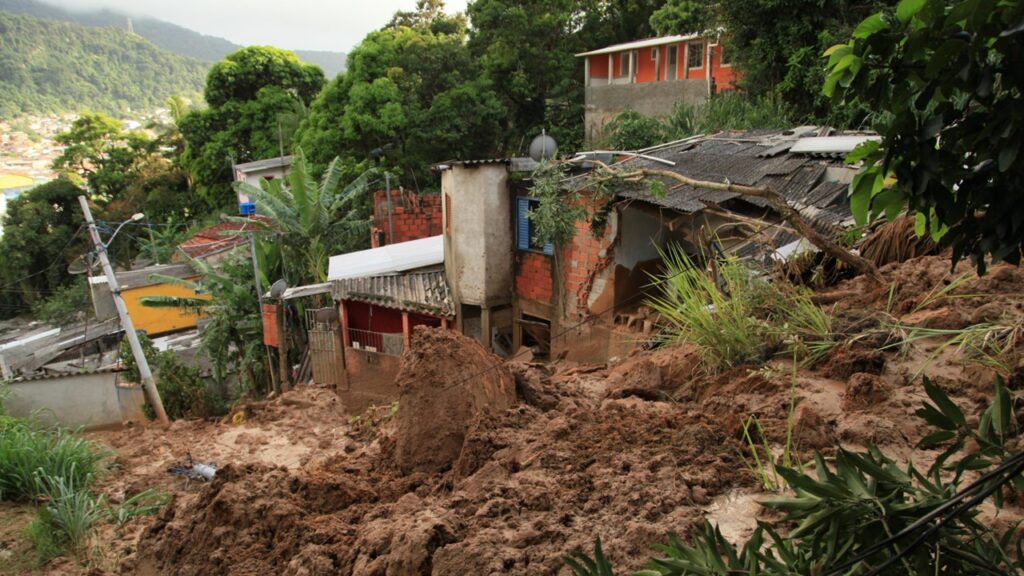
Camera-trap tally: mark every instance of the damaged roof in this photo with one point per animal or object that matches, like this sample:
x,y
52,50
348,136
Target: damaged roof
x,y
418,291
812,183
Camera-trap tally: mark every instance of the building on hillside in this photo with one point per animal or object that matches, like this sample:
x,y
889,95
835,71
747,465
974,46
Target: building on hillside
x,y
214,243
140,283
585,300
380,295
252,172
651,76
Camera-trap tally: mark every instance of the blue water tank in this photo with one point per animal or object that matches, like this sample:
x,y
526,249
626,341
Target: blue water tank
x,y
247,208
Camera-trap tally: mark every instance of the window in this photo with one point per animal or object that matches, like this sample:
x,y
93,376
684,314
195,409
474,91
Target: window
x,y
623,61
657,63
723,58
695,55
524,227
673,62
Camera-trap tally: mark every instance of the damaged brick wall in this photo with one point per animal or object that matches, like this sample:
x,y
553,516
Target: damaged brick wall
x,y
586,259
414,216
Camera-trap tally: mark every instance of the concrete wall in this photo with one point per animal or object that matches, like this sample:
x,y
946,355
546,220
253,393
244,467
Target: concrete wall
x,y
88,400
605,102
478,237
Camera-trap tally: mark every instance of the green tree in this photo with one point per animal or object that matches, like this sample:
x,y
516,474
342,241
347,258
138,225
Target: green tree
x,y
40,240
947,80
100,152
253,96
527,51
309,221
411,97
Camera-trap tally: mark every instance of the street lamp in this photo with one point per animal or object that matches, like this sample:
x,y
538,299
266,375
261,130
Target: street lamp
x,y
148,383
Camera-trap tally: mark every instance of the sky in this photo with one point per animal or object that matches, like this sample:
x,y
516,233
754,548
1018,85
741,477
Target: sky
x,y
335,25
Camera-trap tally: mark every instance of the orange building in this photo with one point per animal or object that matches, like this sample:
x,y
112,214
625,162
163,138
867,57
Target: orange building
x,y
651,76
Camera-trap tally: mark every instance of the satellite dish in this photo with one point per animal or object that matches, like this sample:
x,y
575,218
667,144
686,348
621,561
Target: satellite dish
x,y
277,289
543,147
81,265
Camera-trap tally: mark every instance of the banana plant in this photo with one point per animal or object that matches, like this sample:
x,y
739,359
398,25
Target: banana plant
x,y
310,221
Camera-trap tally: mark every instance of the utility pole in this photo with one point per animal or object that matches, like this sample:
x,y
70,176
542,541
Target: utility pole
x,y
148,383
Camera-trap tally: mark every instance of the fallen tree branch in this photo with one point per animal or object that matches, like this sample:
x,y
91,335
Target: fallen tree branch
x,y
774,199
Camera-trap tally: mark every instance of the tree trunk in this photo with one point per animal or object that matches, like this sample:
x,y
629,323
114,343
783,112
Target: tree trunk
x,y
779,204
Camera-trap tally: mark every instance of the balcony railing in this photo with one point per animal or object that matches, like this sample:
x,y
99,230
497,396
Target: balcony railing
x,y
381,342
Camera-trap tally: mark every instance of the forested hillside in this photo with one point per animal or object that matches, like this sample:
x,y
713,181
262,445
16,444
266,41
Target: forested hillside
x,y
170,37
55,66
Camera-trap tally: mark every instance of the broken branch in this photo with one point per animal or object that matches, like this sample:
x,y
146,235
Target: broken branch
x,y
774,199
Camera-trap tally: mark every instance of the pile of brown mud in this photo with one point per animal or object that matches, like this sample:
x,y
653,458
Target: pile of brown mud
x,y
492,468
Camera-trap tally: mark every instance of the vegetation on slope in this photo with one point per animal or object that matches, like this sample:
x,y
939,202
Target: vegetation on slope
x,y
51,66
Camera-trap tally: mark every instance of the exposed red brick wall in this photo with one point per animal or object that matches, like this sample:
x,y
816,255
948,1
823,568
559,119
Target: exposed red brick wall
x,y
584,257
414,216
533,276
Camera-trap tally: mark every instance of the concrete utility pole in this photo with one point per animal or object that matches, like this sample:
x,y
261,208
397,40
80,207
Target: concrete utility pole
x,y
148,383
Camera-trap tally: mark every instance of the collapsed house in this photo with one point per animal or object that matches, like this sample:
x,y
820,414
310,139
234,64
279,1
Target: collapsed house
x,y
585,300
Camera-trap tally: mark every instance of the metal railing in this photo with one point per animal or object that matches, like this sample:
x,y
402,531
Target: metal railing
x,y
381,342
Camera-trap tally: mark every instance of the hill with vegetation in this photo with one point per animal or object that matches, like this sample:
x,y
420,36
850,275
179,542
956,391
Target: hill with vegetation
x,y
48,66
170,37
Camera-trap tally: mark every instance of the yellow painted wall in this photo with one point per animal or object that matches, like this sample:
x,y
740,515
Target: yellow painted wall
x,y
160,320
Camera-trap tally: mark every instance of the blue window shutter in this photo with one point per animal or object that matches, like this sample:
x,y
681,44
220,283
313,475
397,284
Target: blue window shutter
x,y
549,249
522,223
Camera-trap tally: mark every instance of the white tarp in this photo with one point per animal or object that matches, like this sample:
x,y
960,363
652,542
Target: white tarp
x,y
390,259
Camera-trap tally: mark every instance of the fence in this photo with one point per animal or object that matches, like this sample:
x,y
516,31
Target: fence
x,y
380,342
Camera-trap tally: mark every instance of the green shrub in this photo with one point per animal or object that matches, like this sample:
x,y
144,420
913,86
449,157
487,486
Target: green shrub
x,y
633,131
68,304
739,319
720,322
71,512
33,456
183,389
46,541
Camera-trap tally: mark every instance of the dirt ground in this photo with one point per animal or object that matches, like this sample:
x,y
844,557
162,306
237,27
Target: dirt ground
x,y
628,452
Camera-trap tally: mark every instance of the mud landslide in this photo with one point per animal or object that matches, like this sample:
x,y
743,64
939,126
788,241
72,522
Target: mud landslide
x,y
446,381
470,479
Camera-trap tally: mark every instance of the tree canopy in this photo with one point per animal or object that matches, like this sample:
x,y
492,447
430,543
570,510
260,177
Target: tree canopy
x,y
254,96
947,80
410,97
39,242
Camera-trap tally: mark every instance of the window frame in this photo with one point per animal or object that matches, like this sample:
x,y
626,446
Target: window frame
x,y
701,46
523,205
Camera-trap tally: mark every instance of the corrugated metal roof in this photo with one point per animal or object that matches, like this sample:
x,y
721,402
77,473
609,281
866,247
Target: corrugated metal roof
x,y
829,145
638,44
141,277
390,259
753,159
425,291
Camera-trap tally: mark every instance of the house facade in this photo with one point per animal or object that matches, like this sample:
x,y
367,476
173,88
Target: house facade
x,y
651,76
